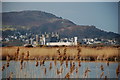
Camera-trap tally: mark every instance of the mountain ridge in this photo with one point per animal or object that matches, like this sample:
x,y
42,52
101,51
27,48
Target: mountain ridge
x,y
39,21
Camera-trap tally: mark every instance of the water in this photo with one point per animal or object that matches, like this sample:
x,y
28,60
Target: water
x,y
31,71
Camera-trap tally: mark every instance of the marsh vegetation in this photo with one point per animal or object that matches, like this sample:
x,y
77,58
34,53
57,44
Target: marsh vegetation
x,y
60,62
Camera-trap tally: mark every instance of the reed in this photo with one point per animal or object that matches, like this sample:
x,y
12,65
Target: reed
x,y
3,67
58,72
50,66
36,63
10,76
101,75
63,53
72,68
86,72
45,70
118,70
101,67
67,75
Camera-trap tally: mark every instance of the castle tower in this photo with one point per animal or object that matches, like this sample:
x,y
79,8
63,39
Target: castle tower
x,y
31,41
37,39
75,40
43,39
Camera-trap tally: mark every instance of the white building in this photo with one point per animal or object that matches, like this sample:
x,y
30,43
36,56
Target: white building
x,y
42,40
63,43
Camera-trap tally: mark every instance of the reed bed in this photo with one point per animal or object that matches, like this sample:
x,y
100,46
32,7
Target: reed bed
x,y
62,53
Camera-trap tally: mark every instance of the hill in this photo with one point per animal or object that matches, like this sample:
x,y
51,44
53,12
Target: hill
x,y
38,22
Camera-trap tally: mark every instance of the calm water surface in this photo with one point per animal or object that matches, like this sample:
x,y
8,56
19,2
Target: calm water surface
x,y
31,71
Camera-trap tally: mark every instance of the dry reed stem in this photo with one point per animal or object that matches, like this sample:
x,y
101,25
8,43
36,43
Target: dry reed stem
x,y
101,67
101,74
118,70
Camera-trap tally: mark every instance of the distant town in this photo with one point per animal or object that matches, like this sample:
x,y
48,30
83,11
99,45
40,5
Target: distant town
x,y
54,39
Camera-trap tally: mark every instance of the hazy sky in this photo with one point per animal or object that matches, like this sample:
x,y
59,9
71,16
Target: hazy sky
x,y
104,15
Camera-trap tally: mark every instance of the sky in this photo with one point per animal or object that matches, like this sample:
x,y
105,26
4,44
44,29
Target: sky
x,y
103,15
